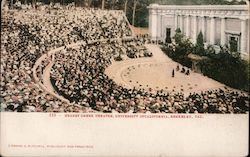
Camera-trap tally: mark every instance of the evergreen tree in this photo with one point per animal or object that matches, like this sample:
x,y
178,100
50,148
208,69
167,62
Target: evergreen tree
x,y
178,37
199,47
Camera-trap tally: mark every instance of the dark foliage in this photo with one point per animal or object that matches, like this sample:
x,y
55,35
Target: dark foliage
x,y
180,50
199,47
141,16
226,66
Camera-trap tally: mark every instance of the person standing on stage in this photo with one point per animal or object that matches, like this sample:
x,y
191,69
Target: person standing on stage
x,y
173,73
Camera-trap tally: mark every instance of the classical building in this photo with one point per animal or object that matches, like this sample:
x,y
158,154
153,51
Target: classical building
x,y
220,24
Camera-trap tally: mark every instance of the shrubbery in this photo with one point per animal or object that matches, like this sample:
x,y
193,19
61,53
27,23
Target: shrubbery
x,y
228,69
179,50
226,66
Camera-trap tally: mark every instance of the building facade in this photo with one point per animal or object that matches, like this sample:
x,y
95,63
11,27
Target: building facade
x,y
219,24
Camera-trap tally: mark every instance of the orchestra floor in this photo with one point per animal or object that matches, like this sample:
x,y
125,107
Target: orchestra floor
x,y
155,73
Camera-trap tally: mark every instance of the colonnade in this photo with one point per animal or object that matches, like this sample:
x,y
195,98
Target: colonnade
x,y
181,19
213,21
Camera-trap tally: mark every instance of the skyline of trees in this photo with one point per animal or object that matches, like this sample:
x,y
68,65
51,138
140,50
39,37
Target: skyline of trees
x,y
135,10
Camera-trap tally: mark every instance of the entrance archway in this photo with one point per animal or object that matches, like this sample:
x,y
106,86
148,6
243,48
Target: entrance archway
x,y
168,35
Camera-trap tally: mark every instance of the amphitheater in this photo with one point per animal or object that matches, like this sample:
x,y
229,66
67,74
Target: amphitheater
x,y
65,60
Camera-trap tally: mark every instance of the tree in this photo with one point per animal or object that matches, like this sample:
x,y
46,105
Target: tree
x,y
210,50
228,69
137,13
199,47
181,49
140,12
134,10
199,40
113,4
103,4
178,37
125,6
88,3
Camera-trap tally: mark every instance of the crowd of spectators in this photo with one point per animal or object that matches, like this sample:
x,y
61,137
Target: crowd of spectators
x,y
27,34
78,73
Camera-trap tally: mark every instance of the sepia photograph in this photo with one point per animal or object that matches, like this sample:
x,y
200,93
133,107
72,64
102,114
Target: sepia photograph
x,y
124,63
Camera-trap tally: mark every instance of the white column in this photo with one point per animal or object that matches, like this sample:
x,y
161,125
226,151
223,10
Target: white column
x,y
243,46
150,23
159,26
175,22
203,28
194,28
212,30
162,27
187,30
222,32
154,25
181,23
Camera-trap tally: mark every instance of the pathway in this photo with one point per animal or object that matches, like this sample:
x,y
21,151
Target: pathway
x,y
46,77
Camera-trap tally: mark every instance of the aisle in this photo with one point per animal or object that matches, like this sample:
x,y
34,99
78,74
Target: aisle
x,y
46,78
